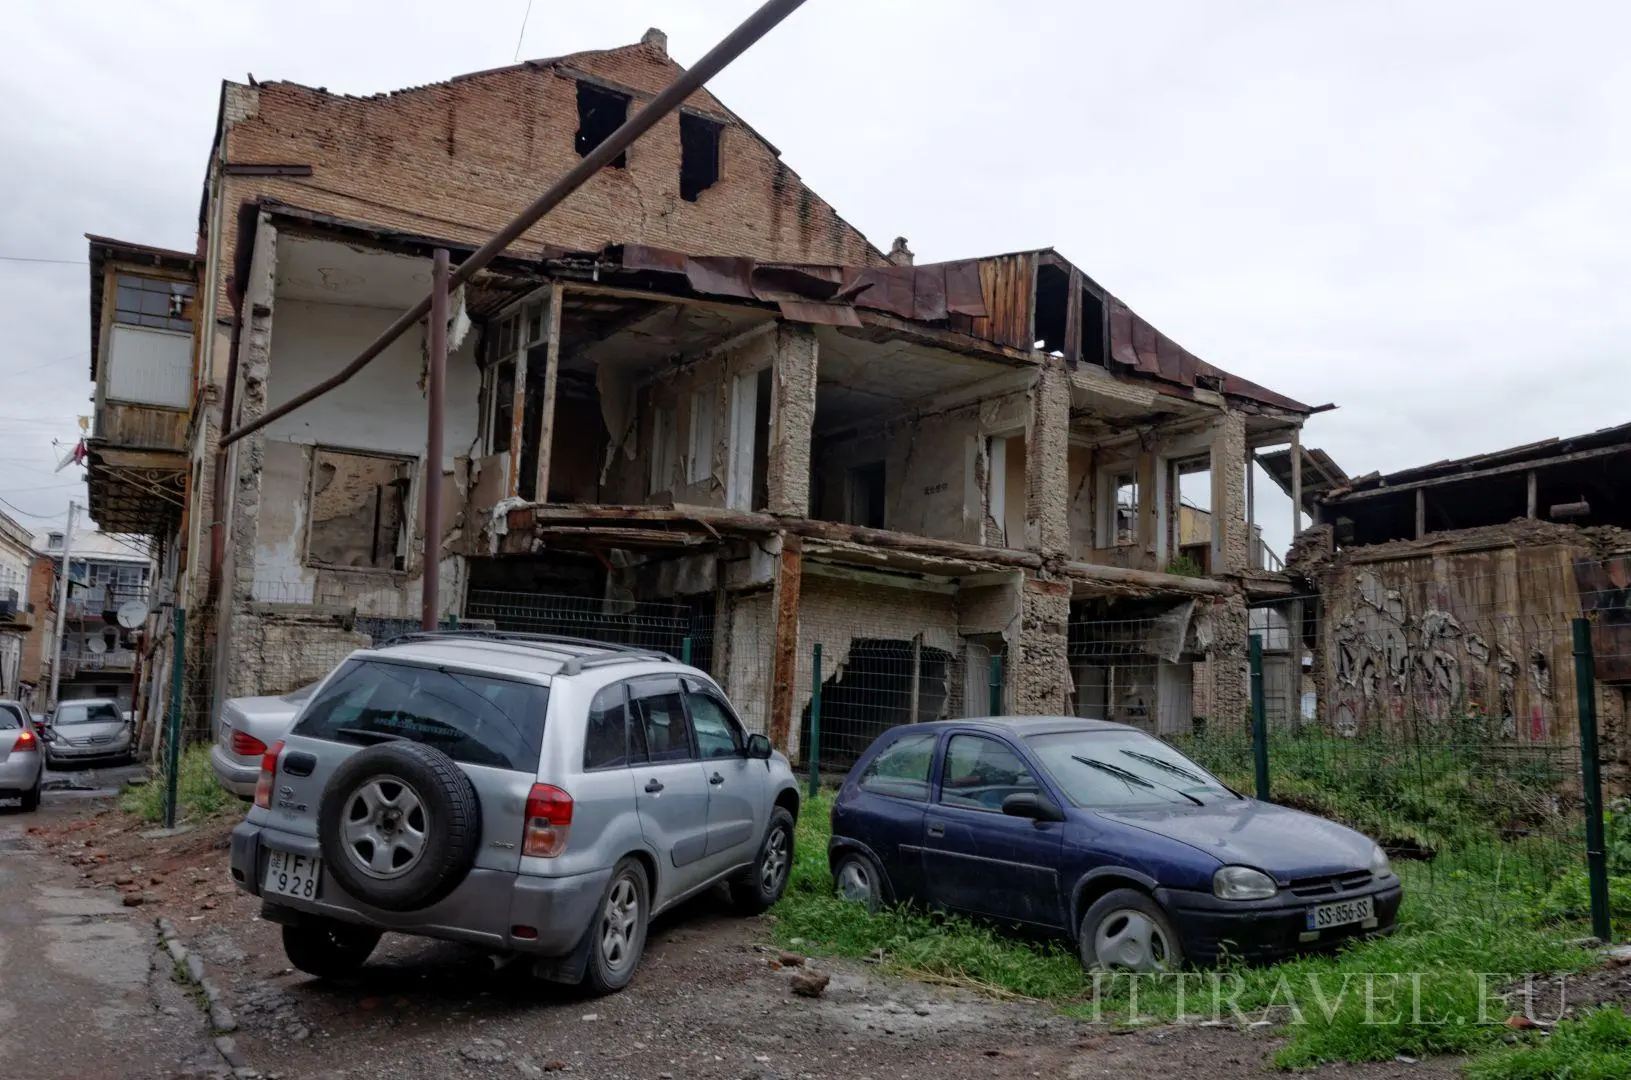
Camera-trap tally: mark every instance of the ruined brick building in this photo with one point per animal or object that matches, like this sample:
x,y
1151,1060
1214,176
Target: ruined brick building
x,y
692,406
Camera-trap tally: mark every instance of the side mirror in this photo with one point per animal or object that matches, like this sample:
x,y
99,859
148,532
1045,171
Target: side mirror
x,y
1029,804
758,748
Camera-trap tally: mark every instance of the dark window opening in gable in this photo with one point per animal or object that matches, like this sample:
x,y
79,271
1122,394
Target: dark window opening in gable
x,y
1052,308
699,155
1093,330
600,112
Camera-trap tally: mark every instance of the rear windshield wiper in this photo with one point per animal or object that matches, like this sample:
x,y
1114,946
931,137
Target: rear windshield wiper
x,y
1133,778
367,736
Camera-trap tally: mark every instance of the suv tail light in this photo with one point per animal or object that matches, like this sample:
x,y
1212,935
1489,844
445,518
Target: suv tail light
x,y
263,786
549,822
26,741
246,745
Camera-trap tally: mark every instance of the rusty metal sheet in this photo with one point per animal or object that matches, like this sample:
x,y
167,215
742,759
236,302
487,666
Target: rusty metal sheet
x,y
721,275
1144,347
929,294
793,283
1121,334
963,294
817,311
642,257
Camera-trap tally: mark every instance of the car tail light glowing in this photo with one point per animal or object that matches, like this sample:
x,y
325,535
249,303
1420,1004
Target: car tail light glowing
x,y
26,741
246,745
263,786
549,822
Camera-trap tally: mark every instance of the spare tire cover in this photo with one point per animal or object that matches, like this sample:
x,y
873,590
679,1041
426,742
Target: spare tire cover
x,y
399,824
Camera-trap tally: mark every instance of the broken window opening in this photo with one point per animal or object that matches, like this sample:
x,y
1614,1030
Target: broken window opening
x,y
1124,510
501,377
532,421
866,495
155,303
1052,308
600,112
761,440
1192,483
1006,487
1093,330
358,510
699,155
664,449
747,438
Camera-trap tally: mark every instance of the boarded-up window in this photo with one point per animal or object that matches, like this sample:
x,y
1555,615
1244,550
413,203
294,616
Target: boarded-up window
x,y
359,510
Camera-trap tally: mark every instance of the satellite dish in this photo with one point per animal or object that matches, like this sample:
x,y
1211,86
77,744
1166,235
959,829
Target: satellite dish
x,y
97,646
132,614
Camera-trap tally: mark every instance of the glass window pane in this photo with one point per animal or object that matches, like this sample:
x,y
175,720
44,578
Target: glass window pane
x,y
903,769
1123,768
470,718
605,737
980,773
659,709
503,404
716,730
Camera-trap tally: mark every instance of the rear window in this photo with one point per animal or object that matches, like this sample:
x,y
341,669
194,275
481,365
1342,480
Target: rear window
x,y
10,718
902,770
476,719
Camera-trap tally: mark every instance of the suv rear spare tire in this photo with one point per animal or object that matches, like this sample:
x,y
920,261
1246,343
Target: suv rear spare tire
x,y
399,825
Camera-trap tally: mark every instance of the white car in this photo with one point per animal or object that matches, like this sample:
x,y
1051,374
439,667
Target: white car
x,y
249,725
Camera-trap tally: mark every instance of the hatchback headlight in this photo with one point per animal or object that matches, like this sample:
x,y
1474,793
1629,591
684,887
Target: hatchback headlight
x,y
1379,864
1242,883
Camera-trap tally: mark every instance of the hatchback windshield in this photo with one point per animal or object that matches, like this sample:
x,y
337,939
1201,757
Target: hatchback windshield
x,y
101,712
1108,769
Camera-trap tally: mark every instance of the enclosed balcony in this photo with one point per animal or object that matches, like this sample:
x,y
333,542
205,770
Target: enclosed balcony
x,y
144,308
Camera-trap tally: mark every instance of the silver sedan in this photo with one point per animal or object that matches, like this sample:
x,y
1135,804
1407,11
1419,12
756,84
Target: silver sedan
x,y
249,725
88,729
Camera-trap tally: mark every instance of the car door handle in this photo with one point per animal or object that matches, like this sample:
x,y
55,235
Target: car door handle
x,y
937,829
653,786
716,779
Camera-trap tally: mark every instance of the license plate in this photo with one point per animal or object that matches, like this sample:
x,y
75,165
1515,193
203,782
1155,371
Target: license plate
x,y
288,874
1346,913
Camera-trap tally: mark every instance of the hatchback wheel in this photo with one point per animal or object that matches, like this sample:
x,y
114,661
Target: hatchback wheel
x,y
618,934
328,949
856,878
765,881
31,797
1127,929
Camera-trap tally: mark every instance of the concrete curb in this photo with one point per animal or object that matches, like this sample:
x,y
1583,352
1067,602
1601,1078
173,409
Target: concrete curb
x,y
221,1019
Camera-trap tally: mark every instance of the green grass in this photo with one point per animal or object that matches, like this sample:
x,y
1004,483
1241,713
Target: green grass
x,y
198,794
1595,1047
1425,993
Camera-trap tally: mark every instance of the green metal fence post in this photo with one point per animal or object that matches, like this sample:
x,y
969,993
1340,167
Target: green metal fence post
x,y
1260,725
813,751
685,651
172,749
1591,778
994,706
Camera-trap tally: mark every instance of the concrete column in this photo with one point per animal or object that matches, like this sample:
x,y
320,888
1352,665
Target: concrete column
x,y
1047,461
1039,663
792,415
1230,536
784,650
235,621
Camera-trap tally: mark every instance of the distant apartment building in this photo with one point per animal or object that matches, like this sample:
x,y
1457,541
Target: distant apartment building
x,y
98,656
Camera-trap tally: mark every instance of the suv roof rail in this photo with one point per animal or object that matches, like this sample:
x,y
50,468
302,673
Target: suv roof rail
x,y
612,652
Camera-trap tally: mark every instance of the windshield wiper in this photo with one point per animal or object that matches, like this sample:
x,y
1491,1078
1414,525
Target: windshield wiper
x,y
1133,778
1164,765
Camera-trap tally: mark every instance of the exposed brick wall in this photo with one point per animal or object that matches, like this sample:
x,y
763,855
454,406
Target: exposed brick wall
x,y
459,159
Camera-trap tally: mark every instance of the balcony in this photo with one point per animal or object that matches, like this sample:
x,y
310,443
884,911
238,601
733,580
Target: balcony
x,y
142,308
15,617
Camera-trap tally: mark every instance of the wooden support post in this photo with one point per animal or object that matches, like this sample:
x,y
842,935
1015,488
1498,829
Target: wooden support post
x,y
1533,492
552,365
917,677
1073,320
785,644
1421,513
1296,482
518,411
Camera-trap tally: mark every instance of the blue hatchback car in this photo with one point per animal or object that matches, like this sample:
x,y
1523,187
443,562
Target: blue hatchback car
x,y
1102,833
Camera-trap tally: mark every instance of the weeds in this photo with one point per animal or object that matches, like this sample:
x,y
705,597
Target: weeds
x,y
198,794
1595,1047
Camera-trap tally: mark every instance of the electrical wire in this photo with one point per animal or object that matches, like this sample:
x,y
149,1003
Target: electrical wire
x,y
522,35
28,259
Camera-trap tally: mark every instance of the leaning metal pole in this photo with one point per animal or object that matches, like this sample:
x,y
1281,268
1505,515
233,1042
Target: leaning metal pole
x,y
430,583
735,44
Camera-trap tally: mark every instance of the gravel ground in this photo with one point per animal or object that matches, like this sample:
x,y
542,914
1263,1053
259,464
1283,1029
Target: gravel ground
x,y
711,1000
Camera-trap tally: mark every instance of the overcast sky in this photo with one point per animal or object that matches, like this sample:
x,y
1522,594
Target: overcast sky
x,y
1418,211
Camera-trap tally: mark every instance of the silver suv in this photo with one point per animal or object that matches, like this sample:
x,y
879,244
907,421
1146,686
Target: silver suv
x,y
527,794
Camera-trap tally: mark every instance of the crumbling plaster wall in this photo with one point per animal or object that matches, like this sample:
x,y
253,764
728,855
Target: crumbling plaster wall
x,y
792,417
1047,457
935,469
1039,682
